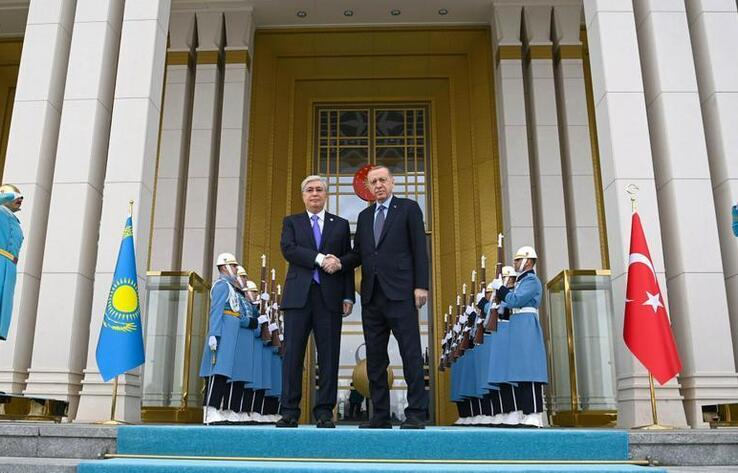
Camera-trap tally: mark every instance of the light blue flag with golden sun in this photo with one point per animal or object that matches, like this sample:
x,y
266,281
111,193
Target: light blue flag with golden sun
x,y
120,347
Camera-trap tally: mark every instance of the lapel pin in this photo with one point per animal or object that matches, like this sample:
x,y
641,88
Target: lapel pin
x,y
331,219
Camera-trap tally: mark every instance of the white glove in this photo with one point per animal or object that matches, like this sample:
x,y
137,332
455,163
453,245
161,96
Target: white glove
x,y
281,337
496,283
478,297
457,328
263,319
479,321
275,306
265,296
494,306
467,329
469,310
213,343
273,327
463,319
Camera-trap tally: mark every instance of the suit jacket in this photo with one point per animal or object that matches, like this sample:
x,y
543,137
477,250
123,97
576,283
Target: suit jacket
x,y
298,248
399,261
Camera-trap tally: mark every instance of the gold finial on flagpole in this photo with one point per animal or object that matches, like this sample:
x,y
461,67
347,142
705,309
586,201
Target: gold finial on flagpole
x,y
633,191
130,207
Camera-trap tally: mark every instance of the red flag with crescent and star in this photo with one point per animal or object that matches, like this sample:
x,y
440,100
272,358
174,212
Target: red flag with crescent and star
x,y
647,331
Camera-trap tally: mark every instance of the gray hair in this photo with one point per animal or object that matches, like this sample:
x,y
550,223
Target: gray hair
x,y
312,178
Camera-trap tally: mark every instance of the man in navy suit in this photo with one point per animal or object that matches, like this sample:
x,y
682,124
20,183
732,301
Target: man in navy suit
x,y
390,246
316,295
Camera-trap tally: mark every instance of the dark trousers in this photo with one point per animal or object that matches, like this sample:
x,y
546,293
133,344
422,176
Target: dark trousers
x,y
354,410
233,396
529,397
380,316
216,391
326,328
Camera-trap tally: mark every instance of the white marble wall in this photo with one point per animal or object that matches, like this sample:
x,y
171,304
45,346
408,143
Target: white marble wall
x,y
174,145
229,213
30,165
202,196
517,203
625,153
129,176
699,308
65,296
574,136
713,28
549,206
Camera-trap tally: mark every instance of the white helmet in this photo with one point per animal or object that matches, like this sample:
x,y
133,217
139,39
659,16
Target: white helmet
x,y
241,271
508,271
525,252
225,258
251,286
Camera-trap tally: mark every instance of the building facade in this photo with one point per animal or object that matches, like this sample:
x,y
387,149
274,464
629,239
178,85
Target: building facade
x,y
524,117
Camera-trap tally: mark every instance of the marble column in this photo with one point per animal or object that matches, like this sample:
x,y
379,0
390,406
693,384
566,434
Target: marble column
x,y
625,153
129,176
202,195
174,148
517,204
230,211
713,28
549,206
29,164
699,306
586,246
65,297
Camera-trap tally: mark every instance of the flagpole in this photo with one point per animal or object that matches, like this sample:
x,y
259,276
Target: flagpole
x,y
632,191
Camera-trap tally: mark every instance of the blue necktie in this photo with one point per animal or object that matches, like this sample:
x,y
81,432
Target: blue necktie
x,y
378,224
316,235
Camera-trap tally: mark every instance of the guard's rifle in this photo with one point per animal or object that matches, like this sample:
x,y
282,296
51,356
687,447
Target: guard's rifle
x,y
492,321
466,340
280,321
273,325
446,360
264,303
479,334
442,361
457,331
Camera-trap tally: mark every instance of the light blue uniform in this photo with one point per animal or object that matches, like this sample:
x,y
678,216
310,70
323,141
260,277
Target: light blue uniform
x,y
243,368
11,239
224,325
526,359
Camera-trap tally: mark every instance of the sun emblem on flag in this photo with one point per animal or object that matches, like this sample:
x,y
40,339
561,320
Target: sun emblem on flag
x,y
122,312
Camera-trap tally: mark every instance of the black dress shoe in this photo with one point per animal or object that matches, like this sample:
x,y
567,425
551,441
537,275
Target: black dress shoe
x,y
376,424
325,424
287,422
413,423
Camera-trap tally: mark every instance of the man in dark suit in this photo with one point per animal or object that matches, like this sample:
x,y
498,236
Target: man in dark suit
x,y
391,249
316,295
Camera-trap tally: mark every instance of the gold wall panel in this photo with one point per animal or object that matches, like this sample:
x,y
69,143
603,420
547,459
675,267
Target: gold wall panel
x,y
449,69
10,54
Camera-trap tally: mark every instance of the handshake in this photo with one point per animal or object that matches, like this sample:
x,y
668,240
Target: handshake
x,y
331,264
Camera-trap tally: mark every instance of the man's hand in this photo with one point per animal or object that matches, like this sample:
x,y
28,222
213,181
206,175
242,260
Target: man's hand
x,y
497,283
347,308
213,343
331,264
421,297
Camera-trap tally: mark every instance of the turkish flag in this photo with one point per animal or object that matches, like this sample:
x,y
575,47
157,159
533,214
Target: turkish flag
x,y
647,331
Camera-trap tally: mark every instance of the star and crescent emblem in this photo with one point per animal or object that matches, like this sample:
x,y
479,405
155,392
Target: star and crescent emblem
x,y
652,300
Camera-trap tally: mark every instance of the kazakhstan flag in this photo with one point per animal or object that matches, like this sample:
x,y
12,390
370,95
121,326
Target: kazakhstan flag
x,y
120,346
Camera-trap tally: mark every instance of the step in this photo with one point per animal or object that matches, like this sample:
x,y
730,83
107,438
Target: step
x,y
38,465
434,443
56,440
201,466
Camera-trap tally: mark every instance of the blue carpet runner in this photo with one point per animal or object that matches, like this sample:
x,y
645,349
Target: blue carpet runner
x,y
349,443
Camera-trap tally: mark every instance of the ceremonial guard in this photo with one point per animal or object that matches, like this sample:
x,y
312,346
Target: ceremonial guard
x,y
220,345
241,392
526,357
11,239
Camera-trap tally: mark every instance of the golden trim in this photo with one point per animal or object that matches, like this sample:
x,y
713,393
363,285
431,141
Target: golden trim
x,y
238,56
568,51
406,461
595,150
207,57
539,51
179,58
15,407
509,51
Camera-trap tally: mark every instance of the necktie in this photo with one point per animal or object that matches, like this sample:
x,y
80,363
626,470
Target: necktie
x,y
316,235
378,224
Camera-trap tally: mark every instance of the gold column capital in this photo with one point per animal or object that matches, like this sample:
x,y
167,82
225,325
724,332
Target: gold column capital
x,y
238,56
539,51
568,51
207,56
509,52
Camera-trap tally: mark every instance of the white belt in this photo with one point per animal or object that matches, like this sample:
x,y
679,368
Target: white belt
x,y
525,310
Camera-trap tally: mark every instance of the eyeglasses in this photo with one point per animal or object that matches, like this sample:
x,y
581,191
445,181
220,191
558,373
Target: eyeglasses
x,y
310,190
